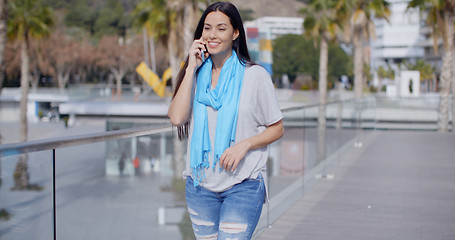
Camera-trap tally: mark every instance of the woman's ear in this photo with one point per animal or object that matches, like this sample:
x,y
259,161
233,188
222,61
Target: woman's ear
x,y
236,35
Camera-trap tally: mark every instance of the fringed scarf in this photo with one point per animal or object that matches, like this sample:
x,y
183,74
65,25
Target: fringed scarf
x,y
225,99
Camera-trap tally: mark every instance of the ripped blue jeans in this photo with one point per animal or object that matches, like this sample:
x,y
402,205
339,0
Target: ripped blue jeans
x,y
232,214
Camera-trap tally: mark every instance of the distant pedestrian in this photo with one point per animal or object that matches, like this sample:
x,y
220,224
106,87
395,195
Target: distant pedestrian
x,y
229,105
136,164
121,164
153,164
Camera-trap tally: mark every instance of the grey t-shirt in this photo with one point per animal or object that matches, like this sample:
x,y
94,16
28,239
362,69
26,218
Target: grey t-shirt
x,y
258,108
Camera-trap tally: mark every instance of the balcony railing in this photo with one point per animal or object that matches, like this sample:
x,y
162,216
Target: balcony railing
x,y
87,186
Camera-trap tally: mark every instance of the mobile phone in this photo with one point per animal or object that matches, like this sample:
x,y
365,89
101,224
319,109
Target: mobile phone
x,y
202,53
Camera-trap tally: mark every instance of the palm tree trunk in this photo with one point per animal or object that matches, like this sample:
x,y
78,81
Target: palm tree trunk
x,y
173,55
118,81
60,83
145,41
174,41
175,66
188,24
358,66
34,79
21,176
3,25
152,54
446,78
24,90
444,93
453,73
323,60
118,75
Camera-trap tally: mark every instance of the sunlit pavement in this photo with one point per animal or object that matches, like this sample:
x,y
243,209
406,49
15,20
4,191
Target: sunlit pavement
x,y
398,185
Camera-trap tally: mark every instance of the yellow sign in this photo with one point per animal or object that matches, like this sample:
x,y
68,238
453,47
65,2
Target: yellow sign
x,y
153,80
265,45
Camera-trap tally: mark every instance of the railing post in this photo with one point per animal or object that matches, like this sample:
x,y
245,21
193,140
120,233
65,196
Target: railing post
x,y
54,208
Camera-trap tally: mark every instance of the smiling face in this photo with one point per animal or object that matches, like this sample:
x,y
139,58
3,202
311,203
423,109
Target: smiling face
x,y
219,34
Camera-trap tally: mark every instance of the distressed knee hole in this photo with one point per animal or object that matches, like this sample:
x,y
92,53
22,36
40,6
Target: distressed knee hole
x,y
233,228
192,212
207,237
201,222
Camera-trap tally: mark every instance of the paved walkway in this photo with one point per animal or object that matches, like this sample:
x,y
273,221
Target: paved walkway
x,y
399,185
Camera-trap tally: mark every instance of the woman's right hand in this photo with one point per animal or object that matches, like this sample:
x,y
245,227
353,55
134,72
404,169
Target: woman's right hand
x,y
181,103
194,53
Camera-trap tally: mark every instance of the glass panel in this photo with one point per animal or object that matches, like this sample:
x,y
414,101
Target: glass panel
x,y
285,169
332,136
351,122
96,200
368,113
306,154
26,197
408,113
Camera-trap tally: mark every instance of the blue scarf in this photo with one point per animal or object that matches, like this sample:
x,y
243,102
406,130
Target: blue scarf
x,y
225,99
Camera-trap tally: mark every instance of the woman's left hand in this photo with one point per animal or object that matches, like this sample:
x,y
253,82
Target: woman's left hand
x,y
232,156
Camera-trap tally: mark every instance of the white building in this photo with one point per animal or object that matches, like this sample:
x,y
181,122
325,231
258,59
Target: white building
x,y
277,26
399,39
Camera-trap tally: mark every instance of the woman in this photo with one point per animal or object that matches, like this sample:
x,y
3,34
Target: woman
x,y
231,107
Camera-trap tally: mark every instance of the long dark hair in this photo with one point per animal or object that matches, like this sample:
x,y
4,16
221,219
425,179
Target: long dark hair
x,y
239,45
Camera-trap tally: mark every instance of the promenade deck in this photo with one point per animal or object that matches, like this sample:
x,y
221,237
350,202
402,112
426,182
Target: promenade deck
x,y
399,185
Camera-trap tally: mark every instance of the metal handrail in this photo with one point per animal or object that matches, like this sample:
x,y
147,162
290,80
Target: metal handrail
x,y
53,143
299,107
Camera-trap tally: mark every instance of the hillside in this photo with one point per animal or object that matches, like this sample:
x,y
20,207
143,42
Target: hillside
x,y
260,8
276,8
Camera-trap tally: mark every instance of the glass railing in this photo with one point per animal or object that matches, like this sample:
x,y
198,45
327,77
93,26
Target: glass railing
x,y
307,152
90,199
127,183
408,113
26,214
100,92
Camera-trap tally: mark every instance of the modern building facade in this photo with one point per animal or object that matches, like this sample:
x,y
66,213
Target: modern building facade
x,y
398,39
262,31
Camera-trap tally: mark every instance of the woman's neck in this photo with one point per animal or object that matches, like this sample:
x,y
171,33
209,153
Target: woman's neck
x,y
220,59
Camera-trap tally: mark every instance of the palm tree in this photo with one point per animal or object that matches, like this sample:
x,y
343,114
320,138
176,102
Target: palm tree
x,y
323,20
3,22
151,17
362,27
169,22
28,19
440,16
183,21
